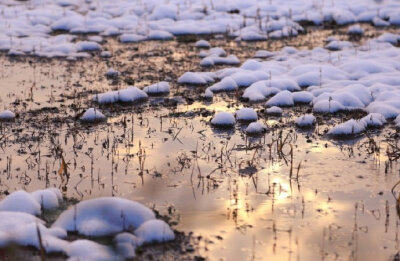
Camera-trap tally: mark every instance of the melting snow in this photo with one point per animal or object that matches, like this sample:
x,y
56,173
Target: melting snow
x,y
157,88
104,216
95,217
305,120
223,119
7,115
246,114
93,115
255,128
28,28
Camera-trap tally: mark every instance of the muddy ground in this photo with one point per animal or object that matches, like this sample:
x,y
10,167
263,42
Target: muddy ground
x,y
289,194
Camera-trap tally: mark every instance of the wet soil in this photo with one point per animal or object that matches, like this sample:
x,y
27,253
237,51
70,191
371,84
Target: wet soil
x,y
290,194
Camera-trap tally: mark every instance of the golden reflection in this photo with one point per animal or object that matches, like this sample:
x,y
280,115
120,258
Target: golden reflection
x,y
215,106
318,148
380,157
273,167
276,211
309,195
240,206
281,189
272,122
323,206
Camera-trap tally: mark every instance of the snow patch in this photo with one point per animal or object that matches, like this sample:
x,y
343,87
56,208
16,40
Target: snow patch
x,y
306,120
223,119
104,216
93,115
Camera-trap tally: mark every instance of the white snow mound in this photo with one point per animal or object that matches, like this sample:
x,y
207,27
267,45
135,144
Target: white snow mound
x,y
223,119
104,216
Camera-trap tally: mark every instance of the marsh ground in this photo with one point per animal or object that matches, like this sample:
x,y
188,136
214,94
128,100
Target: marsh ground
x,y
289,194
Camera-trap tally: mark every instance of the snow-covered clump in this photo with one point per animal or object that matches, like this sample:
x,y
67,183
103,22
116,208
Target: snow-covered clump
x,y
362,67
374,120
344,16
338,45
11,220
7,115
310,74
389,38
159,35
251,65
129,238
131,38
131,94
88,250
106,54
259,91
208,94
351,97
255,128
394,18
95,38
355,30
243,77
128,95
223,119
13,52
263,54
306,120
274,110
154,231
216,52
386,109
202,44
112,73
21,228
289,50
87,46
226,84
164,11
397,121
283,98
31,203
96,217
218,60
48,198
20,201
328,106
208,62
104,216
376,21
126,250
251,35
196,78
302,97
246,114
26,235
350,127
157,88
93,115
331,38
150,231
278,28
